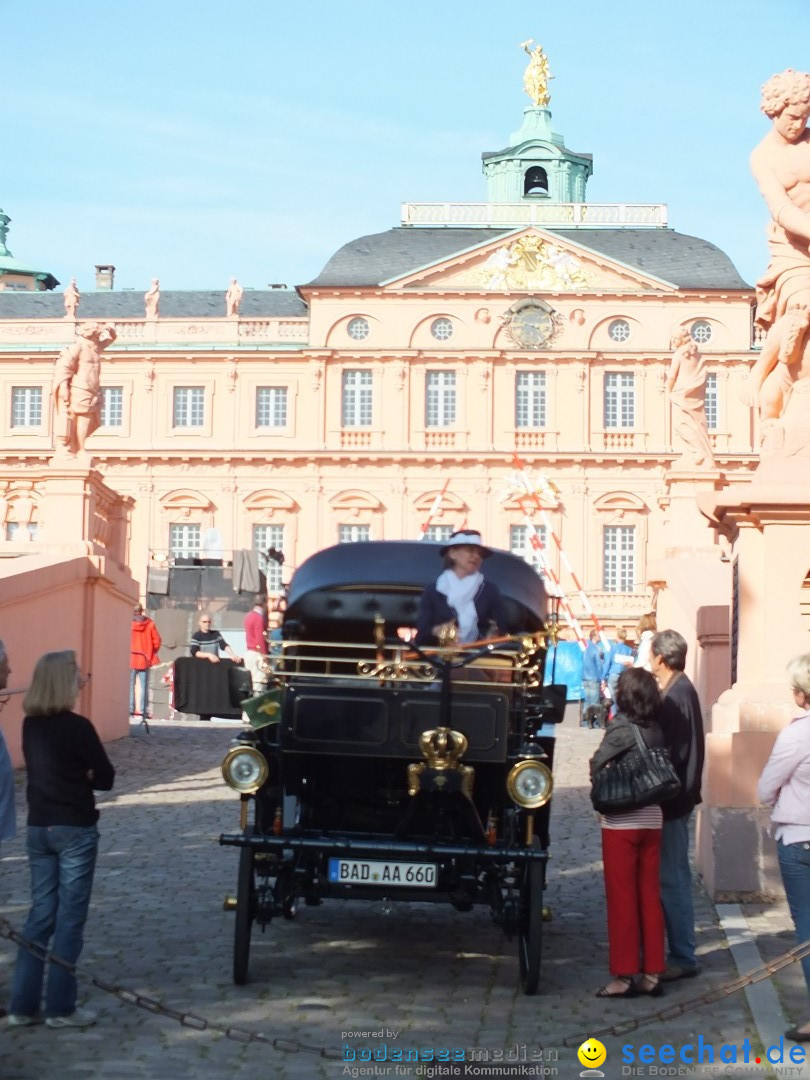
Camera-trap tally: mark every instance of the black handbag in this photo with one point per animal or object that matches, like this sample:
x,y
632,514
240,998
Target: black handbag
x,y
641,776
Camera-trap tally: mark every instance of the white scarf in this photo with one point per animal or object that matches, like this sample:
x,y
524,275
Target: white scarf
x,y
460,593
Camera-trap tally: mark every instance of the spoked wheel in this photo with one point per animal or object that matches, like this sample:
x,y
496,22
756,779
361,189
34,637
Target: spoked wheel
x,y
245,910
530,932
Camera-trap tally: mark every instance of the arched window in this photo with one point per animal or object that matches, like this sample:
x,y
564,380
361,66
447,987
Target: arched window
x,y
535,183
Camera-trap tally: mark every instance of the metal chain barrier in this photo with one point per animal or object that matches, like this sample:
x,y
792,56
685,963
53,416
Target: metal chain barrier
x,y
294,1046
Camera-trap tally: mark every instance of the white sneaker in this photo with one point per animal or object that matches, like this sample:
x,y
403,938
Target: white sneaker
x,y
22,1020
79,1018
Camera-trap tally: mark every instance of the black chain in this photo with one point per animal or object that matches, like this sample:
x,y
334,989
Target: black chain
x,y
294,1046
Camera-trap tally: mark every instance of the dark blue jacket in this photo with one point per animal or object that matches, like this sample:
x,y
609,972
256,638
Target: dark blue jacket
x,y
434,609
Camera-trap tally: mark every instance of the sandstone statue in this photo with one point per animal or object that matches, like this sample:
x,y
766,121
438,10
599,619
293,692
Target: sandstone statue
x,y
686,386
72,298
152,299
77,388
233,297
781,168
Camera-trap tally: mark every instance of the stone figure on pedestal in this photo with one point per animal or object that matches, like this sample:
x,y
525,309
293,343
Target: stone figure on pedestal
x,y
152,299
72,298
77,389
686,386
781,168
233,297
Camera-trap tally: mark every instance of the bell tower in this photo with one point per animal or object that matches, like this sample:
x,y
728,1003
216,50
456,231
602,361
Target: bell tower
x,y
536,166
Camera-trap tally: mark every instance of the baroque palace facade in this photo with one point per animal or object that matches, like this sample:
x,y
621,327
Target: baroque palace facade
x,y
387,397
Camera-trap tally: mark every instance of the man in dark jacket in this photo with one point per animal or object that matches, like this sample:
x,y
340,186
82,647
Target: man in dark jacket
x,y
682,725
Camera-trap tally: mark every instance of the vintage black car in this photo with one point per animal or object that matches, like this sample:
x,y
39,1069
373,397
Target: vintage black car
x,y
379,770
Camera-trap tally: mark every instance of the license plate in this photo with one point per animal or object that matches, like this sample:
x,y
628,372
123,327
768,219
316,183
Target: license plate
x,y
367,872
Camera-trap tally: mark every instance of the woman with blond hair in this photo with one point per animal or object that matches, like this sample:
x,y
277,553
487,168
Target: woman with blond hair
x,y
785,785
645,631
66,763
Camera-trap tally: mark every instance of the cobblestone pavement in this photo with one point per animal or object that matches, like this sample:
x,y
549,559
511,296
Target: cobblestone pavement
x,y
436,977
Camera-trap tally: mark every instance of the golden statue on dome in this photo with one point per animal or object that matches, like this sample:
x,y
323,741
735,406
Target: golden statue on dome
x,y
536,76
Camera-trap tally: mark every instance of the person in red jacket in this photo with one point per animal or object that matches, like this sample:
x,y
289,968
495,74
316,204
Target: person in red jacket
x,y
144,645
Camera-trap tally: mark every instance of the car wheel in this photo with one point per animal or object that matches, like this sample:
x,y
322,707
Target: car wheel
x,y
245,909
530,932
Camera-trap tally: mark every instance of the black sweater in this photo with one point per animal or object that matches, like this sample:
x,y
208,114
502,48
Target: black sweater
x,y
60,750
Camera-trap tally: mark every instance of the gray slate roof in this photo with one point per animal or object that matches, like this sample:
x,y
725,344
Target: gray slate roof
x,y
686,261
256,303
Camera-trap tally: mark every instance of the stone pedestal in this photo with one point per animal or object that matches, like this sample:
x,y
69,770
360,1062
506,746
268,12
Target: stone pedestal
x,y
766,522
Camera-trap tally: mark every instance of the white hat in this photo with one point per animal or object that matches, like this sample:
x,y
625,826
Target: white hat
x,y
466,537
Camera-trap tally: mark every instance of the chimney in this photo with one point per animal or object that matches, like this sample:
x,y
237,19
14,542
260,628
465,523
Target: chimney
x,y
105,278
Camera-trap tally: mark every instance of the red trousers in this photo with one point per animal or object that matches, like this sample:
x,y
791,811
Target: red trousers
x,y
635,917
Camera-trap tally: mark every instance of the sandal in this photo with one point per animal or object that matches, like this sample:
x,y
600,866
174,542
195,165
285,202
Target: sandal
x,y
650,985
626,981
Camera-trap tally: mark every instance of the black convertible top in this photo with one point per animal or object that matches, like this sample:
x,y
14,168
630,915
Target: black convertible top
x,y
354,583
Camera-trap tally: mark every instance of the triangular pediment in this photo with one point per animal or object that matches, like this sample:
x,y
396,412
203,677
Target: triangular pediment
x,y
529,259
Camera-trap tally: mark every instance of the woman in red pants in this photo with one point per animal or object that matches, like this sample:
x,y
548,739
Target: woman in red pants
x,y
631,848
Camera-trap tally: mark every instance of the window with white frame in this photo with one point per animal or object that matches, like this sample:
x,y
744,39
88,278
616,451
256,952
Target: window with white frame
x,y
353,534
185,541
188,406
271,406
620,399
440,398
619,331
530,399
26,406
270,538
358,329
710,401
356,399
112,406
441,329
529,542
701,332
439,533
619,558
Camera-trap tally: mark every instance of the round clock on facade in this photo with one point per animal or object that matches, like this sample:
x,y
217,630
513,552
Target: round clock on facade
x,y
531,324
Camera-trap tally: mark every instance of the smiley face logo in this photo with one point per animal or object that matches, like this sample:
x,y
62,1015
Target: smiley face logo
x,y
592,1054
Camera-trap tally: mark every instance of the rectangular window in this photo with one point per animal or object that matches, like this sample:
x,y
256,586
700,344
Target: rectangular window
x,y
269,538
353,534
619,558
184,541
439,532
356,399
440,403
710,402
620,399
524,541
271,406
530,399
26,406
112,406
13,529
189,407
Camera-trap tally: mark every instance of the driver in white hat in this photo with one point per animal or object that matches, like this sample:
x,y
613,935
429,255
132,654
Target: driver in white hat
x,y
461,596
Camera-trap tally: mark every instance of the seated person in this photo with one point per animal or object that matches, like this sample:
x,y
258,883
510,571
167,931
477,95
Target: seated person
x,y
206,644
461,597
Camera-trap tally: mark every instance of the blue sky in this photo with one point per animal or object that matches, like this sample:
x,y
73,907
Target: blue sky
x,y
196,141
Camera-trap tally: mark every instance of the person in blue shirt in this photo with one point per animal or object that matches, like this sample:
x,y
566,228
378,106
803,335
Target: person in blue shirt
x,y
619,657
593,665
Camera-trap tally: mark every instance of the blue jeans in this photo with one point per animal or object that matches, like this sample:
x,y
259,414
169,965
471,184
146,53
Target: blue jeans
x,y
676,892
143,678
794,863
61,859
590,688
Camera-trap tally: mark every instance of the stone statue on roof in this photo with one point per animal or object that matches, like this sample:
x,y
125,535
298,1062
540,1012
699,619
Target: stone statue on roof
x,y
779,382
536,76
72,298
151,299
233,297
